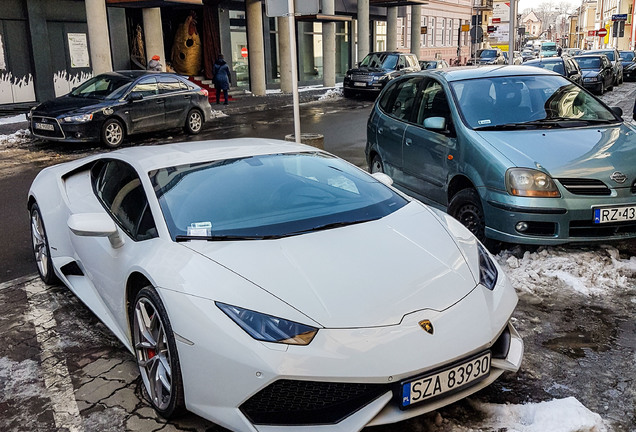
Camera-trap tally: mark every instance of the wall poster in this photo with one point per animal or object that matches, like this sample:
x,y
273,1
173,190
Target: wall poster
x,y
78,50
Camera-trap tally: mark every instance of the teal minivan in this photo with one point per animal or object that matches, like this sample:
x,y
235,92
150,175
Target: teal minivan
x,y
517,154
549,49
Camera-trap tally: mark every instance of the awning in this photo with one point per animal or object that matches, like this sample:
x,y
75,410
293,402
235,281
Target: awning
x,y
153,3
391,3
323,18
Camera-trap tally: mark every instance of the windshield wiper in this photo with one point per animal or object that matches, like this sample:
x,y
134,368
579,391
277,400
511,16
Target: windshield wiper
x,y
329,226
220,237
561,122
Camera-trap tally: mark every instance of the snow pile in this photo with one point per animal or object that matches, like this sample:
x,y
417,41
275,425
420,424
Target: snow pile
x,y
218,114
13,119
15,139
558,415
331,94
590,272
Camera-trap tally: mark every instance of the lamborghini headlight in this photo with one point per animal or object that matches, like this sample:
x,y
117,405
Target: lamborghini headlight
x,y
269,328
530,183
487,269
81,118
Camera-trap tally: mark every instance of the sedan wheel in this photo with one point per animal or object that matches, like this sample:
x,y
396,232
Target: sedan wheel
x,y
466,207
41,250
112,133
156,354
194,122
376,165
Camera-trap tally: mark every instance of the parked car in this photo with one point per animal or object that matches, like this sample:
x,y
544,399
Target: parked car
x,y
598,73
243,311
433,64
377,69
528,54
628,59
114,105
572,51
487,57
566,66
614,57
517,154
516,57
549,49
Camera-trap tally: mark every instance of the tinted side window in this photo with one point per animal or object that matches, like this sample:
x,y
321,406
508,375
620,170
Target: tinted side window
x,y
433,102
168,84
147,87
119,189
400,100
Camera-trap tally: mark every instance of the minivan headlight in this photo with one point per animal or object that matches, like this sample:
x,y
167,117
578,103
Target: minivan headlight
x,y
269,328
528,182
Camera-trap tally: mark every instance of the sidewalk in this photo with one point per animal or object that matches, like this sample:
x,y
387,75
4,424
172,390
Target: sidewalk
x,y
15,120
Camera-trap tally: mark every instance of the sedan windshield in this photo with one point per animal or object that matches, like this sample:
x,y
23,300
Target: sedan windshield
x,y
268,196
380,60
589,62
103,87
486,53
543,101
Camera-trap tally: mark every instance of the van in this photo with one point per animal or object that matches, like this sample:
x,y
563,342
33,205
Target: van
x,y
548,49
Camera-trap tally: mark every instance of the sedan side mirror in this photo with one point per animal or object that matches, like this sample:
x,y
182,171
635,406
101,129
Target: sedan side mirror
x,y
135,96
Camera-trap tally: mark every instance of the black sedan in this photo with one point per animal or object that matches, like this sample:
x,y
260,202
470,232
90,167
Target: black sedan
x,y
566,66
628,59
113,105
598,74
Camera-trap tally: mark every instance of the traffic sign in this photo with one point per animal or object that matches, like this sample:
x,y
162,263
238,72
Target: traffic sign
x,y
244,52
601,32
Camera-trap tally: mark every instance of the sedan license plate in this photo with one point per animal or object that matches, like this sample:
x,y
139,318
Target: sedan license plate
x,y
614,214
421,389
360,84
44,126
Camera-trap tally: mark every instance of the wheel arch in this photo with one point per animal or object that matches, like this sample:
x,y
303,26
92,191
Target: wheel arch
x,y
458,183
136,281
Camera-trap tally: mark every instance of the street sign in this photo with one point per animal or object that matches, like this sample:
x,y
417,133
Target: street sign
x,y
496,20
601,32
619,17
276,8
244,52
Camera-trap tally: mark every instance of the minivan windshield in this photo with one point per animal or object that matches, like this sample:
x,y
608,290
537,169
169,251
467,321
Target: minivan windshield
x,y
268,196
380,60
532,101
103,87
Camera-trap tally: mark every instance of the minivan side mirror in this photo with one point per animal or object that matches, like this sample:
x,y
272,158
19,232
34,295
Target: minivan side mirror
x,y
435,123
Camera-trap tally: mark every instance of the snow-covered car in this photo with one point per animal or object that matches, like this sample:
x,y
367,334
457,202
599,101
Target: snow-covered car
x,y
267,285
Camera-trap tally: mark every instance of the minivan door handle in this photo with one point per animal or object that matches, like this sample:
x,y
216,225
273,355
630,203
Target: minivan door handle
x,y
408,141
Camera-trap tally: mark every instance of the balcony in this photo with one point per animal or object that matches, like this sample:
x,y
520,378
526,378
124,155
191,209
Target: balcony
x,y
482,4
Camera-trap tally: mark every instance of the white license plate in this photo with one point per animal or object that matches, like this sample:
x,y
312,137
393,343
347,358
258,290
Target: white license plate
x,y
614,214
421,389
44,126
360,84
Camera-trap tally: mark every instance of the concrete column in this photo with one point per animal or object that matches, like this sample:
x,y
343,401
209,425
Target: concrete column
x,y
284,55
153,35
416,25
391,28
328,46
255,46
99,40
363,29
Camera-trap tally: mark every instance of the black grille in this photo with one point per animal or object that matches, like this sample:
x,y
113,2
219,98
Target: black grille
x,y
289,402
585,186
590,229
56,132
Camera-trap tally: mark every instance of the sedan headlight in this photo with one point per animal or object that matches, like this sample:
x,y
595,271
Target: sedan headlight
x,y
487,270
530,183
269,328
80,118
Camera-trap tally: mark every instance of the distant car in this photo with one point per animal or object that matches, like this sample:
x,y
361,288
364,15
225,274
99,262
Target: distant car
x,y
628,59
488,56
614,57
527,54
572,51
516,56
433,64
549,49
114,105
238,273
517,154
597,70
566,66
377,69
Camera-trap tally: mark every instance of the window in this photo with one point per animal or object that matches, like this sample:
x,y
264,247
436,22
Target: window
x,y
432,31
147,87
424,37
399,101
119,189
450,31
442,23
433,102
168,84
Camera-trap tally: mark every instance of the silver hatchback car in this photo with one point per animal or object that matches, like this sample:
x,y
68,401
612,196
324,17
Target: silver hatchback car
x,y
517,154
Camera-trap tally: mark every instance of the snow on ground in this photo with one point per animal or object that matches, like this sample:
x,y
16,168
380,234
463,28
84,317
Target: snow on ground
x,y
590,272
15,139
13,119
331,94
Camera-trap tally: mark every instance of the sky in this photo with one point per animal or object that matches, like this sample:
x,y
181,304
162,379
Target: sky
x,y
529,4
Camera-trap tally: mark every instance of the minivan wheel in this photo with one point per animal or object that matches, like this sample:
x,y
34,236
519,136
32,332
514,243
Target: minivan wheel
x,y
376,165
466,207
